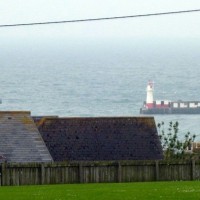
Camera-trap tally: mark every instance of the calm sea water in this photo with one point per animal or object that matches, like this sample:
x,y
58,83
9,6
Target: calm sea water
x,y
99,78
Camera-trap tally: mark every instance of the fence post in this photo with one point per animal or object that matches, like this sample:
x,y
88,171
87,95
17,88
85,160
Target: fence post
x,y
3,174
119,172
193,170
157,171
42,173
80,172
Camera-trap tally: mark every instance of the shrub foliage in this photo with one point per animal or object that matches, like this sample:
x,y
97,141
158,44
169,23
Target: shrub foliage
x,y
172,145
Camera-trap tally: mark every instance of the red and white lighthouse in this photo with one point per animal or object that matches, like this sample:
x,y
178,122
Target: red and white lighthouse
x,y
149,99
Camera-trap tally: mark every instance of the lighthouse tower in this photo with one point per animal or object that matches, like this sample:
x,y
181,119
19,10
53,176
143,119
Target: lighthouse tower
x,y
149,99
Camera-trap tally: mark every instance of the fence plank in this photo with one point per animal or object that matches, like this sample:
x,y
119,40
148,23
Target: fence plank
x,y
193,170
157,170
119,174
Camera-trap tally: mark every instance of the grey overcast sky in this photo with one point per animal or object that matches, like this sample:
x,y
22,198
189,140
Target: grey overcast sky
x,y
23,11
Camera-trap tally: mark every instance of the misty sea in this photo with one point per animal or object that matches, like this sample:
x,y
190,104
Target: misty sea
x,y
104,78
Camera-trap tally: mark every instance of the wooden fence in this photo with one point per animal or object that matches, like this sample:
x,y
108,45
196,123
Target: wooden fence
x,y
97,172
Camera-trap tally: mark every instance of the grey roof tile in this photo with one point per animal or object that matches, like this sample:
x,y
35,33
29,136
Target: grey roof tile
x,y
18,138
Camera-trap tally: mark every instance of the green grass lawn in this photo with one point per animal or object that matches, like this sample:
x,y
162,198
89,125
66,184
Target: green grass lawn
x,y
120,191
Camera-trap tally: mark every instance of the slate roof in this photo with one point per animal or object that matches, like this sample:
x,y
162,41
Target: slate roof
x,y
20,140
101,138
